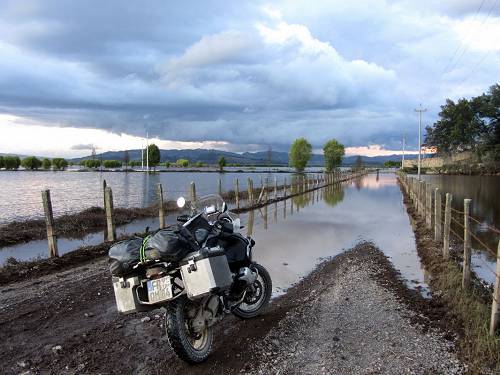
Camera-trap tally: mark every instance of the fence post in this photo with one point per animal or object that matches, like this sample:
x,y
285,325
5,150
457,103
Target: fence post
x,y
220,187
193,194
161,210
49,221
104,184
284,188
275,188
250,193
495,306
437,215
447,223
237,193
428,203
467,245
108,195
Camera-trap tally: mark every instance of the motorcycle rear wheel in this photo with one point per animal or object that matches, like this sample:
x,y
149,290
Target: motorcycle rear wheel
x,y
188,346
253,305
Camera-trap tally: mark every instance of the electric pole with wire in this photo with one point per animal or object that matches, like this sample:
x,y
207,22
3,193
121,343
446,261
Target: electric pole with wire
x,y
420,110
403,158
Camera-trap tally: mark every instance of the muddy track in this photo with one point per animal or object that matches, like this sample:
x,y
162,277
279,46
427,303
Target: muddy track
x,y
67,322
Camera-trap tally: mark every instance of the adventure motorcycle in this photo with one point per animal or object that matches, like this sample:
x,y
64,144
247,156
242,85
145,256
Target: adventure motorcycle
x,y
198,270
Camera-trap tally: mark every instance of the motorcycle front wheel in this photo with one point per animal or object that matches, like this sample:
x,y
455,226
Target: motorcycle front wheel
x,y
258,295
189,346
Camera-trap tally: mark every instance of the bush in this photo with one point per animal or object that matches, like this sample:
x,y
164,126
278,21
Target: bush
x,y
46,163
112,164
92,163
182,163
166,164
392,164
31,162
200,164
59,163
11,162
134,163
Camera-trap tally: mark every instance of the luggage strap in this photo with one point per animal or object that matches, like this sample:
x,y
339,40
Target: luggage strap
x,y
142,255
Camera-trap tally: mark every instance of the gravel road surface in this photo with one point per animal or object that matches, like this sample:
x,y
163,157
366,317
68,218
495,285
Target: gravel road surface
x,y
350,316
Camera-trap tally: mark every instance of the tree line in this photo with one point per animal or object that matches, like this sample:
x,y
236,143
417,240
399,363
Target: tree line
x,y
32,163
468,125
299,155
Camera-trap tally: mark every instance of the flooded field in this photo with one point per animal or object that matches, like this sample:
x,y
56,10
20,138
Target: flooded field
x,y
294,235
485,208
74,191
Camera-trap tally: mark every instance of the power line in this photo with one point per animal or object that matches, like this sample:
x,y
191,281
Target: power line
x,y
468,45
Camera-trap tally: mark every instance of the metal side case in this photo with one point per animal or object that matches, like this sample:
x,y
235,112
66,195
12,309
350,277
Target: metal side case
x,y
204,272
126,295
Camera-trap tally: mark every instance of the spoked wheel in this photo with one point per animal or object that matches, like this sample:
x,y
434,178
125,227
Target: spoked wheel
x,y
190,344
258,295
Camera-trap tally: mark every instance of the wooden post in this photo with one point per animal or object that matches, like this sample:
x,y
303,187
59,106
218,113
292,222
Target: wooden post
x,y
304,183
250,222
467,245
275,188
422,199
250,193
109,214
220,187
104,184
437,215
193,195
237,193
284,188
446,229
49,222
161,210
495,306
428,203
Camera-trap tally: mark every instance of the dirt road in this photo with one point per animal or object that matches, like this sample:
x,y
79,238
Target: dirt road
x,y
349,316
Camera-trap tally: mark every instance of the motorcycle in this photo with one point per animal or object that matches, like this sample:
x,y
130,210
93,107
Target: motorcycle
x,y
200,271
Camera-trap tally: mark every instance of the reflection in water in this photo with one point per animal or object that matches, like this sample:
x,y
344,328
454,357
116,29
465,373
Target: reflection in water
x,y
325,227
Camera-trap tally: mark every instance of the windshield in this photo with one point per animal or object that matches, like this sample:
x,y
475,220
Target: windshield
x,y
211,206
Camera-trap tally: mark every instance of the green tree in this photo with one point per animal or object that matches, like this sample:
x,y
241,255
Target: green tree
x,y
59,164
153,155
166,164
134,163
182,163
2,164
31,162
300,154
11,162
91,163
112,164
222,163
200,164
46,163
392,164
333,152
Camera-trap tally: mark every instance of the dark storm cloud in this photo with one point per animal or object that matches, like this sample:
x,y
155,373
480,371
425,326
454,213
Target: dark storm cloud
x,y
226,71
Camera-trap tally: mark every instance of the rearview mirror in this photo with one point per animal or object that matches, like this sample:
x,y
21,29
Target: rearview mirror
x,y
181,202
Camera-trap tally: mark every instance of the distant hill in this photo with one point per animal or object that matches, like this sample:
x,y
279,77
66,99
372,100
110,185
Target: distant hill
x,y
246,158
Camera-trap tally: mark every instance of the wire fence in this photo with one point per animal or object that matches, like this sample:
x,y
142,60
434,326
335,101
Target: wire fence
x,y
453,222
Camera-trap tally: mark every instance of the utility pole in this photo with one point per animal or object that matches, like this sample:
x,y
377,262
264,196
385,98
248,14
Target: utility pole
x,y
403,159
147,151
420,110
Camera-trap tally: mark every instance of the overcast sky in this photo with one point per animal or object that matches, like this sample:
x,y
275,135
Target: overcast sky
x,y
236,75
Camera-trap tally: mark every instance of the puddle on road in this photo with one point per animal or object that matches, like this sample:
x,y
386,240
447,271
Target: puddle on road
x,y
329,221
301,231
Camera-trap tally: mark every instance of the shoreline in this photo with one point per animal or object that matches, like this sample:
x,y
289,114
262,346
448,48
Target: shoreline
x,y
468,311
